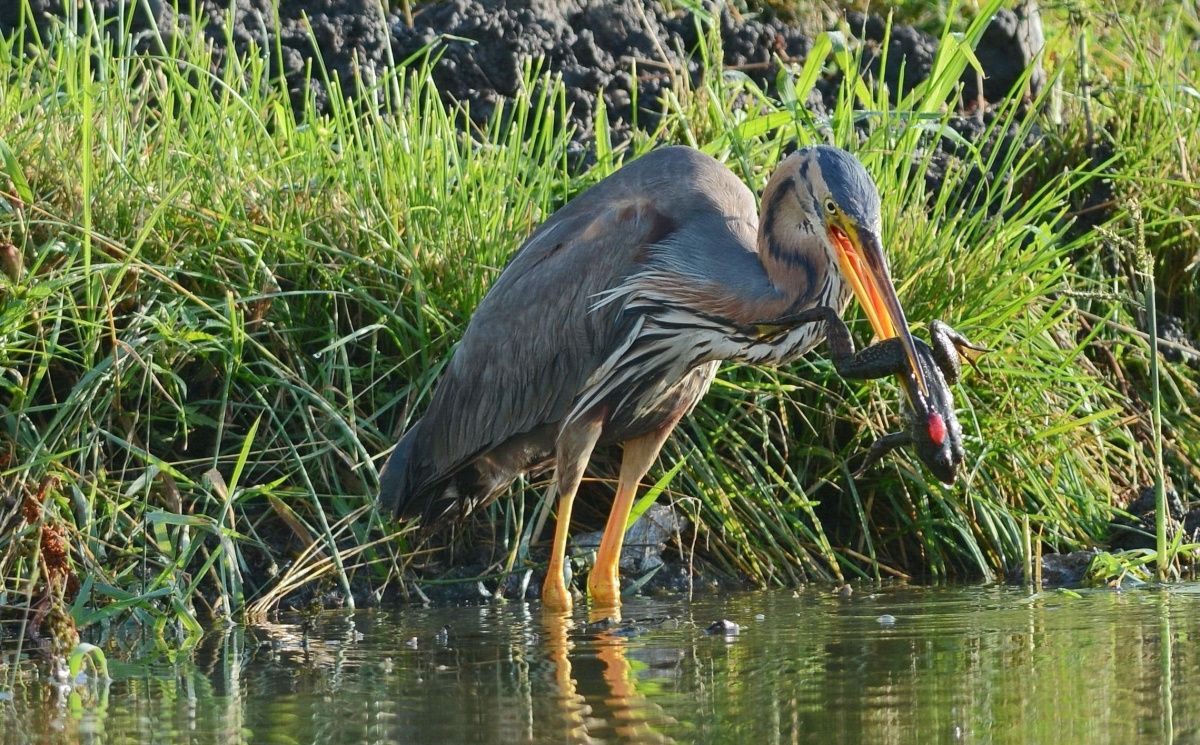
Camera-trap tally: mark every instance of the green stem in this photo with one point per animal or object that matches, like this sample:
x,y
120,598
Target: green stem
x,y
1160,491
1144,269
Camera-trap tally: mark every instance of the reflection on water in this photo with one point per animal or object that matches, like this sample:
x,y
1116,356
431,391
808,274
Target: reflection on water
x,y
986,665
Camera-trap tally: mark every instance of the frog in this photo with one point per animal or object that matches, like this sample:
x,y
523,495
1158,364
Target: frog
x,y
931,426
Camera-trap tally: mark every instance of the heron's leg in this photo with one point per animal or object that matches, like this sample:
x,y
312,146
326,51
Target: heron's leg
x,y
572,453
604,584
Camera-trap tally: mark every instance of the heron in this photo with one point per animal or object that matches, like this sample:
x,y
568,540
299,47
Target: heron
x,y
609,322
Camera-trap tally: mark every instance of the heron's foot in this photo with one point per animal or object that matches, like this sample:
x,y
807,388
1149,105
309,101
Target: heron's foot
x,y
604,588
555,595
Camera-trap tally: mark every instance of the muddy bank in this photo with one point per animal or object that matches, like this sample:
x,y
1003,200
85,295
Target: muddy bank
x,y
655,558
628,53
596,46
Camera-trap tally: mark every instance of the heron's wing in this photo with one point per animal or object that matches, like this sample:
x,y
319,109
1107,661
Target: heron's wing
x,y
535,339
540,333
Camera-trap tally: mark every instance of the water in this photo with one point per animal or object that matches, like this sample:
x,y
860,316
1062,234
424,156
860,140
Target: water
x,y
970,665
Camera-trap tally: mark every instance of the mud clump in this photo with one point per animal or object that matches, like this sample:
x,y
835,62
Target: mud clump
x,y
627,52
596,47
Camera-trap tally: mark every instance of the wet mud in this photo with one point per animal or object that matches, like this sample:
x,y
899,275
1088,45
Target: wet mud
x,y
626,51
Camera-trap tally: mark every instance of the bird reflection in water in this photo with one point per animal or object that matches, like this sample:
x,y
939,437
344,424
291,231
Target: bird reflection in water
x,y
605,706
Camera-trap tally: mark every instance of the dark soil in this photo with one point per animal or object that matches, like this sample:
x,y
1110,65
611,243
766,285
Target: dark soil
x,y
349,34
480,49
593,44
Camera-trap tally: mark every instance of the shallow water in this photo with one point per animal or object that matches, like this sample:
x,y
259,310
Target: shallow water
x,y
971,665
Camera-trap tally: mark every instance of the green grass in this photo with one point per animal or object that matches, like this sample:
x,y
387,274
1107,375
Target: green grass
x,y
217,315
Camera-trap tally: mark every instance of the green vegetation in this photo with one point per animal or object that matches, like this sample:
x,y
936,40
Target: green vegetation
x,y
216,315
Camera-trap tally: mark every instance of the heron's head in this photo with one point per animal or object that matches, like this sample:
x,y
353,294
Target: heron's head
x,y
824,193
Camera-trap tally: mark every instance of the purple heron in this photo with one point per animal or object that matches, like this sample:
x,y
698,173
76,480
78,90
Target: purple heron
x,y
608,325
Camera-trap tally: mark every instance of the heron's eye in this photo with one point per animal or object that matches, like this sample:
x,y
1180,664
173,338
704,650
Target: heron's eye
x,y
830,206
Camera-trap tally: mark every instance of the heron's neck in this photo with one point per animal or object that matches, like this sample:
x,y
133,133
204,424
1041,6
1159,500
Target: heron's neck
x,y
797,262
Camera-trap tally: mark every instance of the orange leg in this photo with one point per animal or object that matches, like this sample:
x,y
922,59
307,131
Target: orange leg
x,y
573,452
604,584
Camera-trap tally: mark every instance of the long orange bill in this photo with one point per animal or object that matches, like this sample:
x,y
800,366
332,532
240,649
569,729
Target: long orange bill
x,y
861,257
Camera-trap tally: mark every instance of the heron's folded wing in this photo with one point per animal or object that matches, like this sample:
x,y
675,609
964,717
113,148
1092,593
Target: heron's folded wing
x,y
537,336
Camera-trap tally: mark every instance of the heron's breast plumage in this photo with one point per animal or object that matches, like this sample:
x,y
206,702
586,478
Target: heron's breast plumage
x,y
673,347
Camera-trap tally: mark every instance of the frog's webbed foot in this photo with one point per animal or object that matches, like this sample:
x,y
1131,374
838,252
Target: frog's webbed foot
x,y
882,447
948,345
818,313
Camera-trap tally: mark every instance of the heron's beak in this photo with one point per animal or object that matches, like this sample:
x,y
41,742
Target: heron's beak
x,y
860,255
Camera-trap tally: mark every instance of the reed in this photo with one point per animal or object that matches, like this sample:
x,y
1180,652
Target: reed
x,y
218,313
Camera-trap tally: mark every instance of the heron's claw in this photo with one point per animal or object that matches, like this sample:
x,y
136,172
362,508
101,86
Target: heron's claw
x,y
835,328
808,315
764,330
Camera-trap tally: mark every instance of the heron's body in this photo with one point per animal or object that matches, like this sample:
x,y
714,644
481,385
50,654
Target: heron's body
x,y
609,322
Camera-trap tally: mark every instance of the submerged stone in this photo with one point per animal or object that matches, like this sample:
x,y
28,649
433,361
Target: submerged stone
x,y
723,627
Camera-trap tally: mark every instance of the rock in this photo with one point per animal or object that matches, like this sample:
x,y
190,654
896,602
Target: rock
x,y
1066,570
1010,44
1138,530
644,541
723,627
